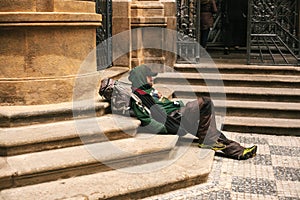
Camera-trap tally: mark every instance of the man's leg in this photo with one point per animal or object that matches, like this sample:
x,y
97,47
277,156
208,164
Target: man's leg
x,y
204,37
207,132
199,119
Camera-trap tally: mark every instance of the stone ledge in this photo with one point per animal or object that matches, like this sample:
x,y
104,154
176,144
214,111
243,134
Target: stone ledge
x,y
147,5
12,116
264,122
237,68
236,90
49,19
273,126
232,77
74,132
149,22
56,89
91,158
64,24
189,169
266,105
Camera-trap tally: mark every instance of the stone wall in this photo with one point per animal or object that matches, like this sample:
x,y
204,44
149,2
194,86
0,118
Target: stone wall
x,y
140,25
44,44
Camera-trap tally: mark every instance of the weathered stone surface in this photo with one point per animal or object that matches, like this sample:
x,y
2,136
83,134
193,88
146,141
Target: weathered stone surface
x,y
26,5
6,173
74,6
190,168
54,135
122,25
89,158
42,53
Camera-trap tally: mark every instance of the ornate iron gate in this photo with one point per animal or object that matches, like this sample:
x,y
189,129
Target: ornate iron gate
x,y
273,32
188,30
215,35
103,35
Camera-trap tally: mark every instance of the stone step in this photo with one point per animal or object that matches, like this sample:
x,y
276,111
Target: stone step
x,y
13,116
236,68
256,108
26,139
236,93
248,80
263,125
181,170
39,167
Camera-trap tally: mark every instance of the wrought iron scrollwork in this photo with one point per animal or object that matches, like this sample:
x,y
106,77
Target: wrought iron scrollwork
x,y
103,34
273,32
215,35
188,28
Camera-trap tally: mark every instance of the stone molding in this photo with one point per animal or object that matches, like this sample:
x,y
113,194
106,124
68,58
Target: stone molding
x,y
49,19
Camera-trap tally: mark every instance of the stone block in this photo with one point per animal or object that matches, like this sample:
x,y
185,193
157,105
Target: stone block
x,y
169,7
121,31
147,9
22,5
74,6
44,6
121,9
39,52
42,53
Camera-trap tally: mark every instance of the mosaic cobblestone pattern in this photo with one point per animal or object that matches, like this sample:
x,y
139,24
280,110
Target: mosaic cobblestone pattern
x,y
274,174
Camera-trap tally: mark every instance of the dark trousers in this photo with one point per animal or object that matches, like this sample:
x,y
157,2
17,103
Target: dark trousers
x,y
198,117
204,37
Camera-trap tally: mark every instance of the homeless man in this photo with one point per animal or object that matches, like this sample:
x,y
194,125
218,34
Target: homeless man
x,y
173,117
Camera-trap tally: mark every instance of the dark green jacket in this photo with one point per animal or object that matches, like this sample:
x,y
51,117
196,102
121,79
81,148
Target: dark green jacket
x,y
159,120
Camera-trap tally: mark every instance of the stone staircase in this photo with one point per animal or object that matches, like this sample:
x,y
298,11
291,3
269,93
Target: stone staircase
x,y
255,99
48,152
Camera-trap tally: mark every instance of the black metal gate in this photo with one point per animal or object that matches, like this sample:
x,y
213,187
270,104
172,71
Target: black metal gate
x,y
215,38
273,32
103,35
188,30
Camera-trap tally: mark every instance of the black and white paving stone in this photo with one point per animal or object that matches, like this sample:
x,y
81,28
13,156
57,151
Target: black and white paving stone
x,y
274,174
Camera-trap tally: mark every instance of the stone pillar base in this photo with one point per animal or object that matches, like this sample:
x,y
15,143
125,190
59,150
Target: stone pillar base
x,y
42,53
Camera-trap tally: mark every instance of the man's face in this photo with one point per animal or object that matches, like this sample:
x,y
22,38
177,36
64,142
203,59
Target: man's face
x,y
150,80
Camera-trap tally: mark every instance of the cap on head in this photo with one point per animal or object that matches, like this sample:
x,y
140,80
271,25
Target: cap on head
x,y
138,75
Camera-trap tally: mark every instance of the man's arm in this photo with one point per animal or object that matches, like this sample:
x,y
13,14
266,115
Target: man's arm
x,y
147,121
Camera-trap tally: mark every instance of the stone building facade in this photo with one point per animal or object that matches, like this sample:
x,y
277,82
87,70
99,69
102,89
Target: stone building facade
x,y
44,43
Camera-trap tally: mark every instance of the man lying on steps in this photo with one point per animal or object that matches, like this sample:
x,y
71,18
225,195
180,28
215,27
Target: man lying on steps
x,y
173,117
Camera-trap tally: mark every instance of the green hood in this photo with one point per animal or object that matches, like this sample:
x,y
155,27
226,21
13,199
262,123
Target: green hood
x,y
138,76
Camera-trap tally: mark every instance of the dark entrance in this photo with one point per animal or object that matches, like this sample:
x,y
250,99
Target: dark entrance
x,y
271,34
188,27
103,35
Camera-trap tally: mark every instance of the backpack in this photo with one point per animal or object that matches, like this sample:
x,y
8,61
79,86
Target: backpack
x,y
120,96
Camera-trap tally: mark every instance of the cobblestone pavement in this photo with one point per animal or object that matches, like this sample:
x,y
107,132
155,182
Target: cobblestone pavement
x,y
273,174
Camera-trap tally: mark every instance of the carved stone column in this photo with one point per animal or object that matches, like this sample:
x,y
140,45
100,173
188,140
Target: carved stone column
x,y
121,21
42,46
150,18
